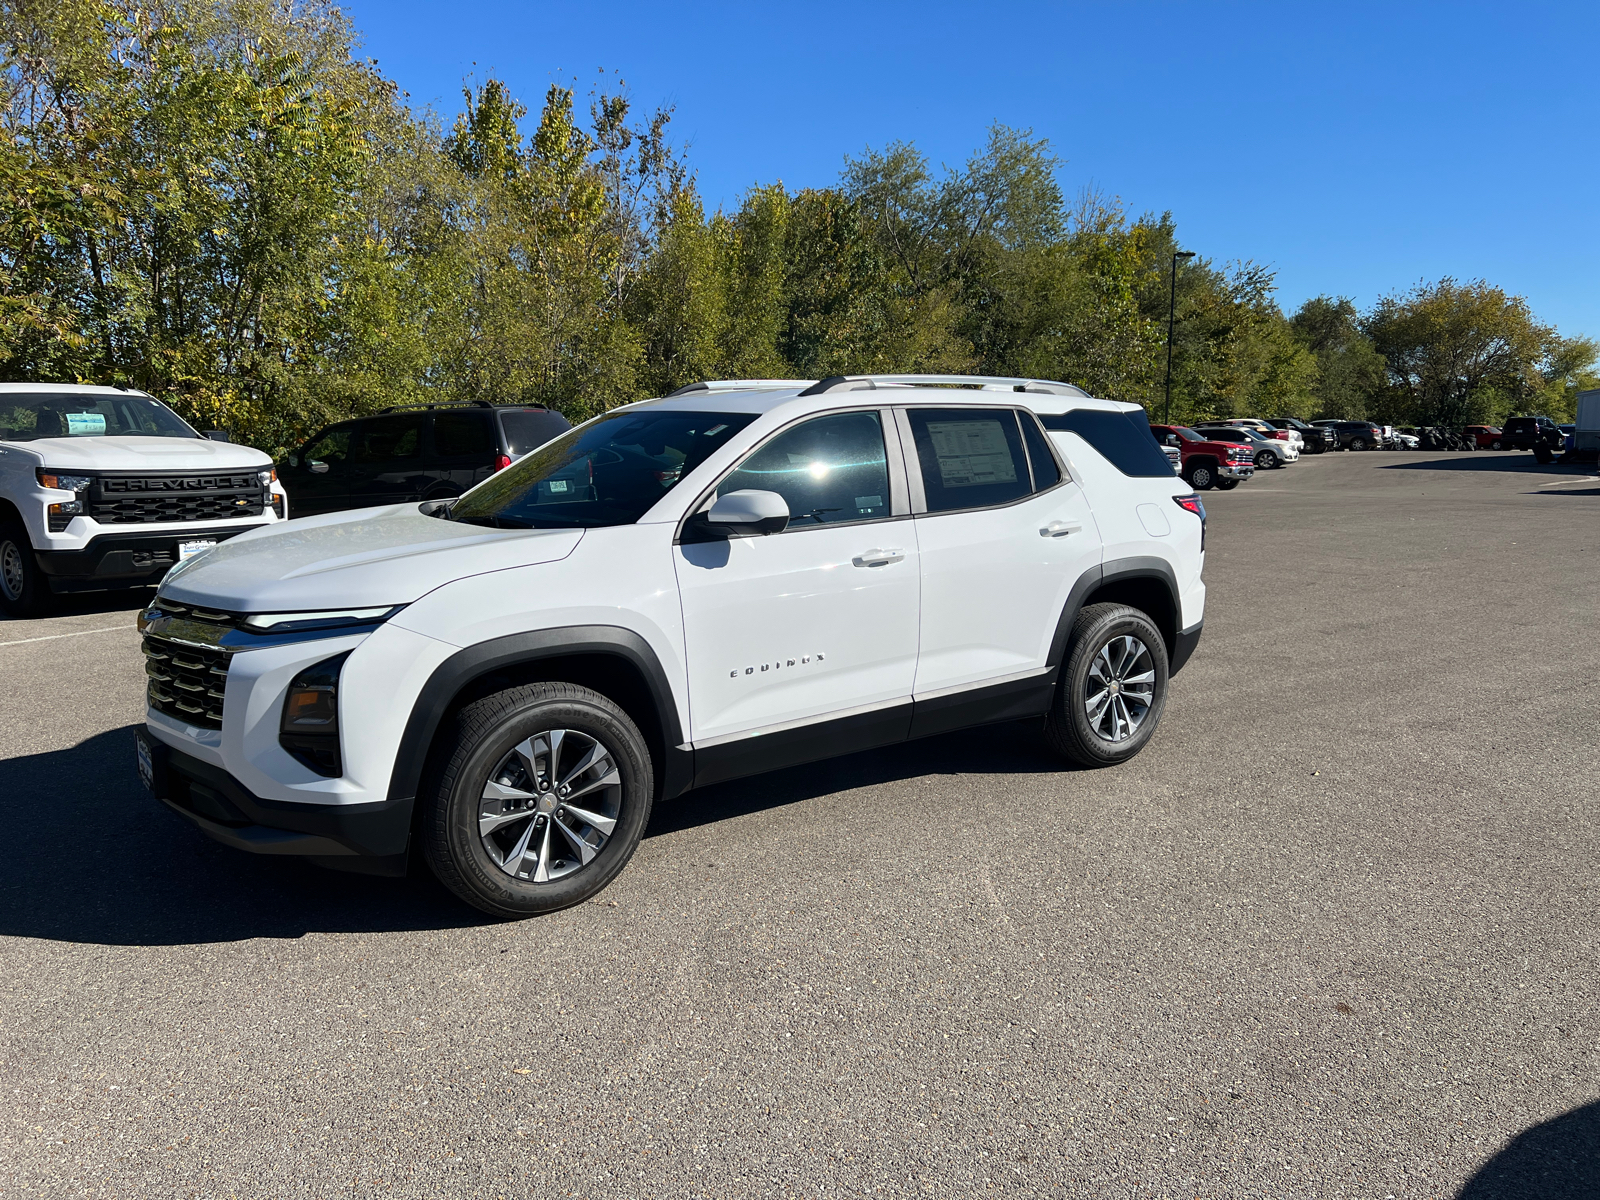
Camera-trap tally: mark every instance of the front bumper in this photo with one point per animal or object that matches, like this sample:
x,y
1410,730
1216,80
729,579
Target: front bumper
x,y
373,839
1236,470
123,559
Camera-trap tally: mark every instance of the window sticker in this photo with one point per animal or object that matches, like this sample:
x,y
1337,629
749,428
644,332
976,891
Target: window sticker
x,y
866,502
85,424
971,453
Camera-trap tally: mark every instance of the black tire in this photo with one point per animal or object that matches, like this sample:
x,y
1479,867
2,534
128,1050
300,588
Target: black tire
x,y
1202,477
1543,454
1497,444
1266,460
1068,726
1227,485
485,734
23,590
1358,443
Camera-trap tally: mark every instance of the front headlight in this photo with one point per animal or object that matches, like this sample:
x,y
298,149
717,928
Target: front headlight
x,y
309,727
268,478
297,622
63,483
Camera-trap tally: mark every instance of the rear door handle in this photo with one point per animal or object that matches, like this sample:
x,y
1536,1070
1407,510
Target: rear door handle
x,y
878,558
1060,529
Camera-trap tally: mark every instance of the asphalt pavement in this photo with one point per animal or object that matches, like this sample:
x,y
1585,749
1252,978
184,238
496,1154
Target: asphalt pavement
x,y
1332,934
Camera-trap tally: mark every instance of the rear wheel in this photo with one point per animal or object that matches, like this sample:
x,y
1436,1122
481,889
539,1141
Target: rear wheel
x,y
1358,443
1202,477
541,799
23,590
1113,687
1497,444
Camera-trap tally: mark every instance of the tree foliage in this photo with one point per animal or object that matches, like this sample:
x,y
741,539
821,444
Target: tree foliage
x,y
221,202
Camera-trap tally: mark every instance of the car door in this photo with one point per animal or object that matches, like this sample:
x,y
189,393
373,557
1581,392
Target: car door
x,y
1003,532
815,626
386,461
319,472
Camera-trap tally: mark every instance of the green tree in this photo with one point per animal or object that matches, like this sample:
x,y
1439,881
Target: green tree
x,y
1350,371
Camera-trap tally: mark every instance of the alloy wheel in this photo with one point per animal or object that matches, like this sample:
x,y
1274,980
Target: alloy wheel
x,y
550,806
13,572
1264,460
1357,444
1121,688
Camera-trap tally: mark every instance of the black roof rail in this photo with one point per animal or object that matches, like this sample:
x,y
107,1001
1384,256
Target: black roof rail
x,y
457,404
851,383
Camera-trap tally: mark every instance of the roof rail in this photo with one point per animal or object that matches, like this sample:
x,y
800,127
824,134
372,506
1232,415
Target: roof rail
x,y
855,383
991,383
457,404
737,385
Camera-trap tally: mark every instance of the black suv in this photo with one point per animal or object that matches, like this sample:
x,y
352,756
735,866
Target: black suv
x,y
1316,438
1353,435
402,454
1539,434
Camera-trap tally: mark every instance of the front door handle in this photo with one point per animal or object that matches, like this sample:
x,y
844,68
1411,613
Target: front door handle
x,y
878,558
1060,529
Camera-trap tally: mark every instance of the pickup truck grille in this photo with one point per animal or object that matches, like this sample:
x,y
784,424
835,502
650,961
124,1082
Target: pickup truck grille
x,y
149,499
186,682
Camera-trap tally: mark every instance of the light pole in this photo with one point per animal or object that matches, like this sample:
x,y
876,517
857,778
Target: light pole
x,y
1172,317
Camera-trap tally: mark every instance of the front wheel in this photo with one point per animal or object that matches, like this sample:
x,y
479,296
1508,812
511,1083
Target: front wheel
x,y
1358,444
23,590
1497,444
1202,478
541,799
1227,485
1113,687
1266,460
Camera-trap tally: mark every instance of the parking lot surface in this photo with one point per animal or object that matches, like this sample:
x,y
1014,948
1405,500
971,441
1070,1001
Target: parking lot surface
x,y
1332,934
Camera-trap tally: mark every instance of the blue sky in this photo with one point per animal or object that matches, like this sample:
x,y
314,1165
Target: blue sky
x,y
1355,148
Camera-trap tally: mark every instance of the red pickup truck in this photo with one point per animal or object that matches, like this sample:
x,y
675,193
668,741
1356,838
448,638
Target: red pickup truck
x,y
1207,464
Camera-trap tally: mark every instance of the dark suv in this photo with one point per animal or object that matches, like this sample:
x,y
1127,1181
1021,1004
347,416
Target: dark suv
x,y
1539,434
402,454
1316,438
1353,435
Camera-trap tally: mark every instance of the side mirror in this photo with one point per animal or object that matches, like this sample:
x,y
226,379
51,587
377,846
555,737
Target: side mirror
x,y
294,460
318,468
748,511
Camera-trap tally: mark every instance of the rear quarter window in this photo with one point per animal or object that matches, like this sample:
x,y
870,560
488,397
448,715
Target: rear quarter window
x,y
1123,439
528,429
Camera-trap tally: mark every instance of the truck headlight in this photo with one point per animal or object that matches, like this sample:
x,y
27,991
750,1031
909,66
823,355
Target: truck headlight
x,y
63,483
309,728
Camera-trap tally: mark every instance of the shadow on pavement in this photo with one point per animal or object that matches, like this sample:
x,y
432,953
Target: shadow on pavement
x,y
1012,748
1589,491
1486,460
74,604
1558,1160
90,857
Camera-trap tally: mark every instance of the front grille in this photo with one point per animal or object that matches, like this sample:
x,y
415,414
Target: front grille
x,y
149,499
186,682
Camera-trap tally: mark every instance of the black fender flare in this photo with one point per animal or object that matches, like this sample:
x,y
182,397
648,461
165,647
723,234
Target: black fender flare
x,y
466,666
1114,571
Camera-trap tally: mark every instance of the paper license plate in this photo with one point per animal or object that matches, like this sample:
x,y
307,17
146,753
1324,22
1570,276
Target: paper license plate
x,y
147,768
187,550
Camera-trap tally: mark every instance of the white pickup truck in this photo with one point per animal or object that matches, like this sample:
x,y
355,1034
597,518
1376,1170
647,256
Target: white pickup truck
x,y
106,488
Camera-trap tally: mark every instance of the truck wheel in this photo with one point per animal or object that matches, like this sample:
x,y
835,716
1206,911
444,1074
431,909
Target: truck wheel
x,y
1201,477
23,590
1113,687
541,797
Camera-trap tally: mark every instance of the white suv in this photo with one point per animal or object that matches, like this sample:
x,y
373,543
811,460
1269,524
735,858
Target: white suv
x,y
106,488
736,578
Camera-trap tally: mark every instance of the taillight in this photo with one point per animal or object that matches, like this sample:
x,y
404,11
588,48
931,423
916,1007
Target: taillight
x,y
502,461
1191,503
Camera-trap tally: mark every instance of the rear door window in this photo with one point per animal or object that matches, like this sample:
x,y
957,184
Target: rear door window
x,y
970,458
1122,438
459,434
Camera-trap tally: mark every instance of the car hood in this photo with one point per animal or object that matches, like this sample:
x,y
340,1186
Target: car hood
x,y
141,454
365,558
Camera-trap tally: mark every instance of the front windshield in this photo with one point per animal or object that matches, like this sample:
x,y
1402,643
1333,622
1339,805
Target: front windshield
x,y
608,472
1188,434
27,418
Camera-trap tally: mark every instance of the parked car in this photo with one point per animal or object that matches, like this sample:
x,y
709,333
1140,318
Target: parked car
x,y
1265,429
422,452
103,488
1354,435
682,591
1487,437
1314,439
1268,453
1539,434
1399,439
1221,462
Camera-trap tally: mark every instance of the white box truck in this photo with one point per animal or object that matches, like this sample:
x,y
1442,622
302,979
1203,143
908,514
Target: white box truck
x,y
1587,435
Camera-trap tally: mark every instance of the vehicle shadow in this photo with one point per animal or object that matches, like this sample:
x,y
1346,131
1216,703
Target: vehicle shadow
x,y
1011,748
89,857
1589,491
1484,460
1556,1160
74,604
